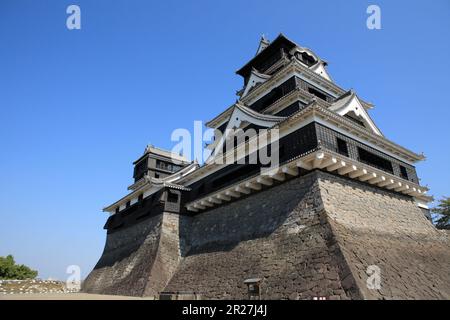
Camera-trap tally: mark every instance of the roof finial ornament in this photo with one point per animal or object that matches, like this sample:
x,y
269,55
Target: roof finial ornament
x,y
148,147
263,38
263,43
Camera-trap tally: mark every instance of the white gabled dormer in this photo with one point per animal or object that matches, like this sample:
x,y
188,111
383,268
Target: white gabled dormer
x,y
349,105
255,78
239,118
263,43
319,68
308,58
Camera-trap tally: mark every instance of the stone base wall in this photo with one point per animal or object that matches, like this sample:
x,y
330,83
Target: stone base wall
x,y
127,259
315,235
279,235
379,228
168,255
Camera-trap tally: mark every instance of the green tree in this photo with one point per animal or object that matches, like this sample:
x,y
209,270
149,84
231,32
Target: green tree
x,y
10,270
442,221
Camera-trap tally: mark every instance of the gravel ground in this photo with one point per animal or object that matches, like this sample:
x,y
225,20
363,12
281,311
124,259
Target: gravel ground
x,y
67,296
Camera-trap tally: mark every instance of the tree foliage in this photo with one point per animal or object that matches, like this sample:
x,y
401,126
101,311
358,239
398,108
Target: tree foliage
x,y
9,270
443,211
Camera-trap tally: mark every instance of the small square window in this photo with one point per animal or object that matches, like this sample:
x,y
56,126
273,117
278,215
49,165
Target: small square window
x,y
342,147
403,172
317,93
172,197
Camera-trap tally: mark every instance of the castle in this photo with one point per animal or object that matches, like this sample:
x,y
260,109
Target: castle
x,y
341,216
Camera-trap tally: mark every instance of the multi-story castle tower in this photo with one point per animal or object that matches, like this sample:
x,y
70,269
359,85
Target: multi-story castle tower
x,y
342,215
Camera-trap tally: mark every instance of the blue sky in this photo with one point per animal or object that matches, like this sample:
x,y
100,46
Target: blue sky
x,y
77,107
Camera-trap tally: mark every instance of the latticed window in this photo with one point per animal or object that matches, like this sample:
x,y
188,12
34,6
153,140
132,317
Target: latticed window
x,y
140,169
342,147
167,166
172,196
317,93
374,160
403,172
274,94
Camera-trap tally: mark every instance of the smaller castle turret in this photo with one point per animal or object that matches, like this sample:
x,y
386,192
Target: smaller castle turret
x,y
157,163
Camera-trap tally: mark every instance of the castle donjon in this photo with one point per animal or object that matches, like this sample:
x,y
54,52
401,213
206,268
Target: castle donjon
x,y
343,215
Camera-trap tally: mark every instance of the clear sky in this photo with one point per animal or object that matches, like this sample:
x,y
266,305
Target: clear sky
x,y
78,106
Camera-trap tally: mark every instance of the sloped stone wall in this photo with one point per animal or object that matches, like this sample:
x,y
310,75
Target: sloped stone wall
x,y
127,260
383,229
315,235
171,247
279,235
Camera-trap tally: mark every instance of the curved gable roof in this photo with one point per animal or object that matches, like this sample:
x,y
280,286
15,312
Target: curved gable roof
x,y
349,103
239,115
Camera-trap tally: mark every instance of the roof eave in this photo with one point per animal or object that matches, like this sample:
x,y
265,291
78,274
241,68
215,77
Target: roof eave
x,y
277,39
314,107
